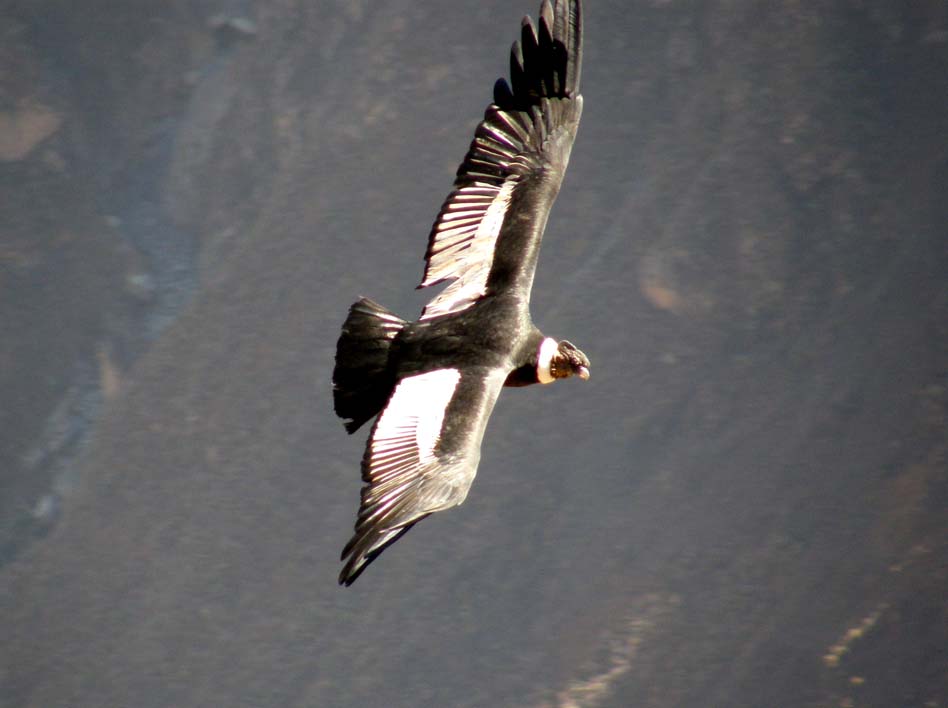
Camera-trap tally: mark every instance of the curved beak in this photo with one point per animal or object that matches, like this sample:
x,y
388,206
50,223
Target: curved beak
x,y
583,373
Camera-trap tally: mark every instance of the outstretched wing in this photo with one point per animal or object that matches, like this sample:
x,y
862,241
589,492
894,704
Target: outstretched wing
x,y
488,232
421,457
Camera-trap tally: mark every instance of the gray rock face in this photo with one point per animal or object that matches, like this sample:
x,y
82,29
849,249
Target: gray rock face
x,y
748,508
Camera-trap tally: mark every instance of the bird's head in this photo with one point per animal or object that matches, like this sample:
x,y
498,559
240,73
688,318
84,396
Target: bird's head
x,y
560,360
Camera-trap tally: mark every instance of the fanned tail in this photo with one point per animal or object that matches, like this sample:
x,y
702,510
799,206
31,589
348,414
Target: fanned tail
x,y
362,381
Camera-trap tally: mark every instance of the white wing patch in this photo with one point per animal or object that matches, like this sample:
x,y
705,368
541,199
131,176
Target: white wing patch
x,y
408,431
462,248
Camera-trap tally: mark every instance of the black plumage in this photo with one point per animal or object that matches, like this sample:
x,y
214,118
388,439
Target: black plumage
x,y
433,383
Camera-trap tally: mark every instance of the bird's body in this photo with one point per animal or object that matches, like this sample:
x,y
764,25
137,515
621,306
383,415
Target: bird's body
x,y
433,383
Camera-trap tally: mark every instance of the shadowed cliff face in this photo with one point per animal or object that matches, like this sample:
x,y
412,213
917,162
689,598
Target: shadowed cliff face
x,y
744,506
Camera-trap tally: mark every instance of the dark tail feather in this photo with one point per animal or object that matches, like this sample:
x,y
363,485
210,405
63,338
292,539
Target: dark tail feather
x,y
361,381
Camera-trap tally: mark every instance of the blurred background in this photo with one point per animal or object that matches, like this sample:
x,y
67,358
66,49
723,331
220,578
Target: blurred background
x,y
744,506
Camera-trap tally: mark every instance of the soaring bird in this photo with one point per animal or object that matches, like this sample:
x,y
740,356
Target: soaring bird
x,y
434,382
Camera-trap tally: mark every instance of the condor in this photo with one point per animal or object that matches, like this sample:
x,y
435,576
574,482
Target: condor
x,y
433,383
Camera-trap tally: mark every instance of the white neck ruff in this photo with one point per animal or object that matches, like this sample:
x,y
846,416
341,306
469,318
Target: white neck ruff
x,y
548,349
